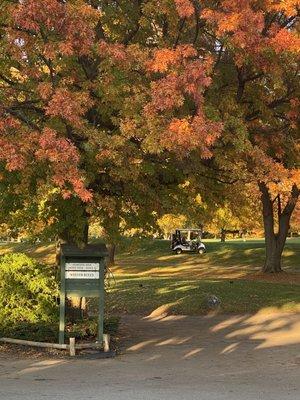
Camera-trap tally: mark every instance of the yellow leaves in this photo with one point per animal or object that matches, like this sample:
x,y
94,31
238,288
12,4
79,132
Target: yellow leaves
x,y
169,222
17,75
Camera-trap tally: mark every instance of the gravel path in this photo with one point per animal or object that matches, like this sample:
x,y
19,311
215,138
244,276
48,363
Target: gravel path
x,y
210,358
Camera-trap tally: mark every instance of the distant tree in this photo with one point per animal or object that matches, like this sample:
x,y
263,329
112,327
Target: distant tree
x,y
169,222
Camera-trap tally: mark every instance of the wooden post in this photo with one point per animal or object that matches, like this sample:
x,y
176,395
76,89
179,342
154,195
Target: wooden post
x,y
62,304
72,347
106,342
101,301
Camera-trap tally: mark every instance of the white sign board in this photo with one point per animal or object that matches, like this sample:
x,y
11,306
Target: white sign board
x,y
82,266
82,274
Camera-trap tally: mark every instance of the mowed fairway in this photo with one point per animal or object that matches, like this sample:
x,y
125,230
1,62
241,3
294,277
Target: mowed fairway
x,y
149,279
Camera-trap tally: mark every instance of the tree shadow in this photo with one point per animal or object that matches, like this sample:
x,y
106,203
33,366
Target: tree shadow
x,y
217,338
229,260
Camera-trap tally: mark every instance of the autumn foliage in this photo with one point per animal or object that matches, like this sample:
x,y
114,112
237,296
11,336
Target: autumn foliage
x,y
97,97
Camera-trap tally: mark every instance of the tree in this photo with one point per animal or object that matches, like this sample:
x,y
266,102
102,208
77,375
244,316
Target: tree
x,y
71,80
265,101
169,222
106,99
236,62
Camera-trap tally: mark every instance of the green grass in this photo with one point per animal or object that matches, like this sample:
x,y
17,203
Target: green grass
x,y
173,296
144,256
148,277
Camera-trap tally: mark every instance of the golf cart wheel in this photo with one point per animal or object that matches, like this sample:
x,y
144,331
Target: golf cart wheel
x,y
201,251
178,251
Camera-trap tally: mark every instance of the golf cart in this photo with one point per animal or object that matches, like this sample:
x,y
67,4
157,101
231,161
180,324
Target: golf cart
x,y
187,240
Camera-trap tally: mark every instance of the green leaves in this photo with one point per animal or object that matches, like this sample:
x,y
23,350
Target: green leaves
x,y
28,290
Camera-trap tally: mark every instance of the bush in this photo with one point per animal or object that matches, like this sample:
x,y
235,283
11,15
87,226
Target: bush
x,y
85,329
88,328
28,291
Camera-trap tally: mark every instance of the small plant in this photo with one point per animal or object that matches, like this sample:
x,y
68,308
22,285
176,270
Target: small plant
x,y
28,291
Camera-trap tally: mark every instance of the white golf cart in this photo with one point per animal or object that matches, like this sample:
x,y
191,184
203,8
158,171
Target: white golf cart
x,y
187,240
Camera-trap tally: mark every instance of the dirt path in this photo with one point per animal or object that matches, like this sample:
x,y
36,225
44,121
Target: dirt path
x,y
209,358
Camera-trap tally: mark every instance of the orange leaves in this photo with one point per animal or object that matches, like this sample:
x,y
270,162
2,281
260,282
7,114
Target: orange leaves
x,y
162,59
69,24
294,113
114,50
11,154
35,15
64,160
185,79
285,40
247,27
185,74
240,21
289,7
235,16
184,8
45,90
166,95
194,79
184,135
11,151
79,31
165,58
70,106
19,148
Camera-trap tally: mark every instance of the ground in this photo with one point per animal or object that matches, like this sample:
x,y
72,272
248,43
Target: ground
x,y
249,357
175,348
149,279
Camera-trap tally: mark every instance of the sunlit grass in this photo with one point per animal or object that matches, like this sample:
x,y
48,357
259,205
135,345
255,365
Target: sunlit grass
x,y
149,278
143,296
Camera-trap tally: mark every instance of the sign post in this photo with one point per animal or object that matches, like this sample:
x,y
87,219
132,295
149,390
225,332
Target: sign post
x,y
82,275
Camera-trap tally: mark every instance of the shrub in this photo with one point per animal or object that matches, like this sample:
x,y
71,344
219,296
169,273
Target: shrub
x,y
28,291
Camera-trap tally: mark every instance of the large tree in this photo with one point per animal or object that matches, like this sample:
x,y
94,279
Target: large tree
x,y
236,62
98,98
71,79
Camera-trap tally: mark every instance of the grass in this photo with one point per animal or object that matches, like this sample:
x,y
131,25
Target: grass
x,y
232,259
168,295
148,278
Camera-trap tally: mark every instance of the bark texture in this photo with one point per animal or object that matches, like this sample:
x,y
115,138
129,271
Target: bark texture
x,y
275,241
112,253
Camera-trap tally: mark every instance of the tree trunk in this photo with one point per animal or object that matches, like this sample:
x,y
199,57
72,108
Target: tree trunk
x,y
274,251
223,235
275,242
112,253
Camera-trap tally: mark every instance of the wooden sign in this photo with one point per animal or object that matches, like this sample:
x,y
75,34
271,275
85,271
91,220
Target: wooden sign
x,y
82,274
82,266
